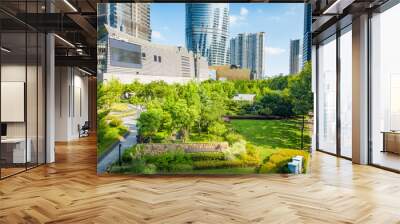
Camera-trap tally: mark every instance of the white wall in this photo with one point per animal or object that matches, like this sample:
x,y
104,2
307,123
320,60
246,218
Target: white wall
x,y
71,102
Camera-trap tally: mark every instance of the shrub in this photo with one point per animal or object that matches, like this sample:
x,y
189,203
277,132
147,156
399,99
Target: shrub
x,y
112,134
136,166
150,169
198,156
115,122
122,130
217,128
167,160
233,137
159,137
235,150
251,157
127,156
215,164
277,162
181,167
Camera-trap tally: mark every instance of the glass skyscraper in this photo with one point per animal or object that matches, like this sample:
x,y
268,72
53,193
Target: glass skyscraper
x,y
207,31
294,56
307,33
130,18
247,51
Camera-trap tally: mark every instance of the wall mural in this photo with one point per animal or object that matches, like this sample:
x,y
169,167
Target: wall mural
x,y
210,106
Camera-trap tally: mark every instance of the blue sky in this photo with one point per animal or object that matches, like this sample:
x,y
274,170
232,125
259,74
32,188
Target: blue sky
x,y
280,22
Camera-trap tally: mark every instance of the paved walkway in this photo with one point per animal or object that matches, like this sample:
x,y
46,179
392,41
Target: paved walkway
x,y
129,140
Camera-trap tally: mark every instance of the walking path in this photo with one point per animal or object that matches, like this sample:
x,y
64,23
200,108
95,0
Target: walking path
x,y
130,139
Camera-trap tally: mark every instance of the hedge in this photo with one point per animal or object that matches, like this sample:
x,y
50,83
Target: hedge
x,y
215,164
201,156
277,162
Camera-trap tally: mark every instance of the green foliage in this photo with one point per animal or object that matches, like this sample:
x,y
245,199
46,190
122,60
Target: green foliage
x,y
109,93
300,91
149,122
252,155
232,137
115,122
149,169
234,151
160,137
198,156
275,102
134,152
218,164
167,161
278,82
176,167
183,116
213,164
277,162
108,134
217,128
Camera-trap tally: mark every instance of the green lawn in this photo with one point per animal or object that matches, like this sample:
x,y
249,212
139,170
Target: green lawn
x,y
272,134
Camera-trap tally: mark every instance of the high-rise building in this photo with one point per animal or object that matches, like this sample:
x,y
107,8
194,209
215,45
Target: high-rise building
x,y
307,40
247,51
207,33
130,18
294,56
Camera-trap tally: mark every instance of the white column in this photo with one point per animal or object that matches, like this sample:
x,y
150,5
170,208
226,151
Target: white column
x,y
314,90
50,101
360,89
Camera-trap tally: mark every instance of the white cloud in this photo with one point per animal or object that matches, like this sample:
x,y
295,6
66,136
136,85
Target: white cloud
x,y
244,11
239,19
233,19
274,50
157,35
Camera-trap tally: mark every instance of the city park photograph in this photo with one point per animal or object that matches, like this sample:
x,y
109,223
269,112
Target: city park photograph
x,y
223,91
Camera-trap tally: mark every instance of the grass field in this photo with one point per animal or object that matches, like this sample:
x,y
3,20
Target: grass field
x,y
272,135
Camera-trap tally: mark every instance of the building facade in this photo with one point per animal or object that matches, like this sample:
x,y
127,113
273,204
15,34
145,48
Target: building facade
x,y
247,51
307,38
129,58
294,57
207,31
131,18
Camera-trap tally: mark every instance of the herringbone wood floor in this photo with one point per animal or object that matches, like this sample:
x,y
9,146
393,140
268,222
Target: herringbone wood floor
x,y
70,192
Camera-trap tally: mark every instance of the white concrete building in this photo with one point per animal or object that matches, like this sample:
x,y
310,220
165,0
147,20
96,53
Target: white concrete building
x,y
129,58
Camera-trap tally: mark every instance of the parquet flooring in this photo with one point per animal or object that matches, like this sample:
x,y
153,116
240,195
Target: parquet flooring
x,y
69,191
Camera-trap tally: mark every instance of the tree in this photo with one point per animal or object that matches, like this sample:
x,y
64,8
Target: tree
x,y
109,93
276,102
149,123
217,128
183,116
301,95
